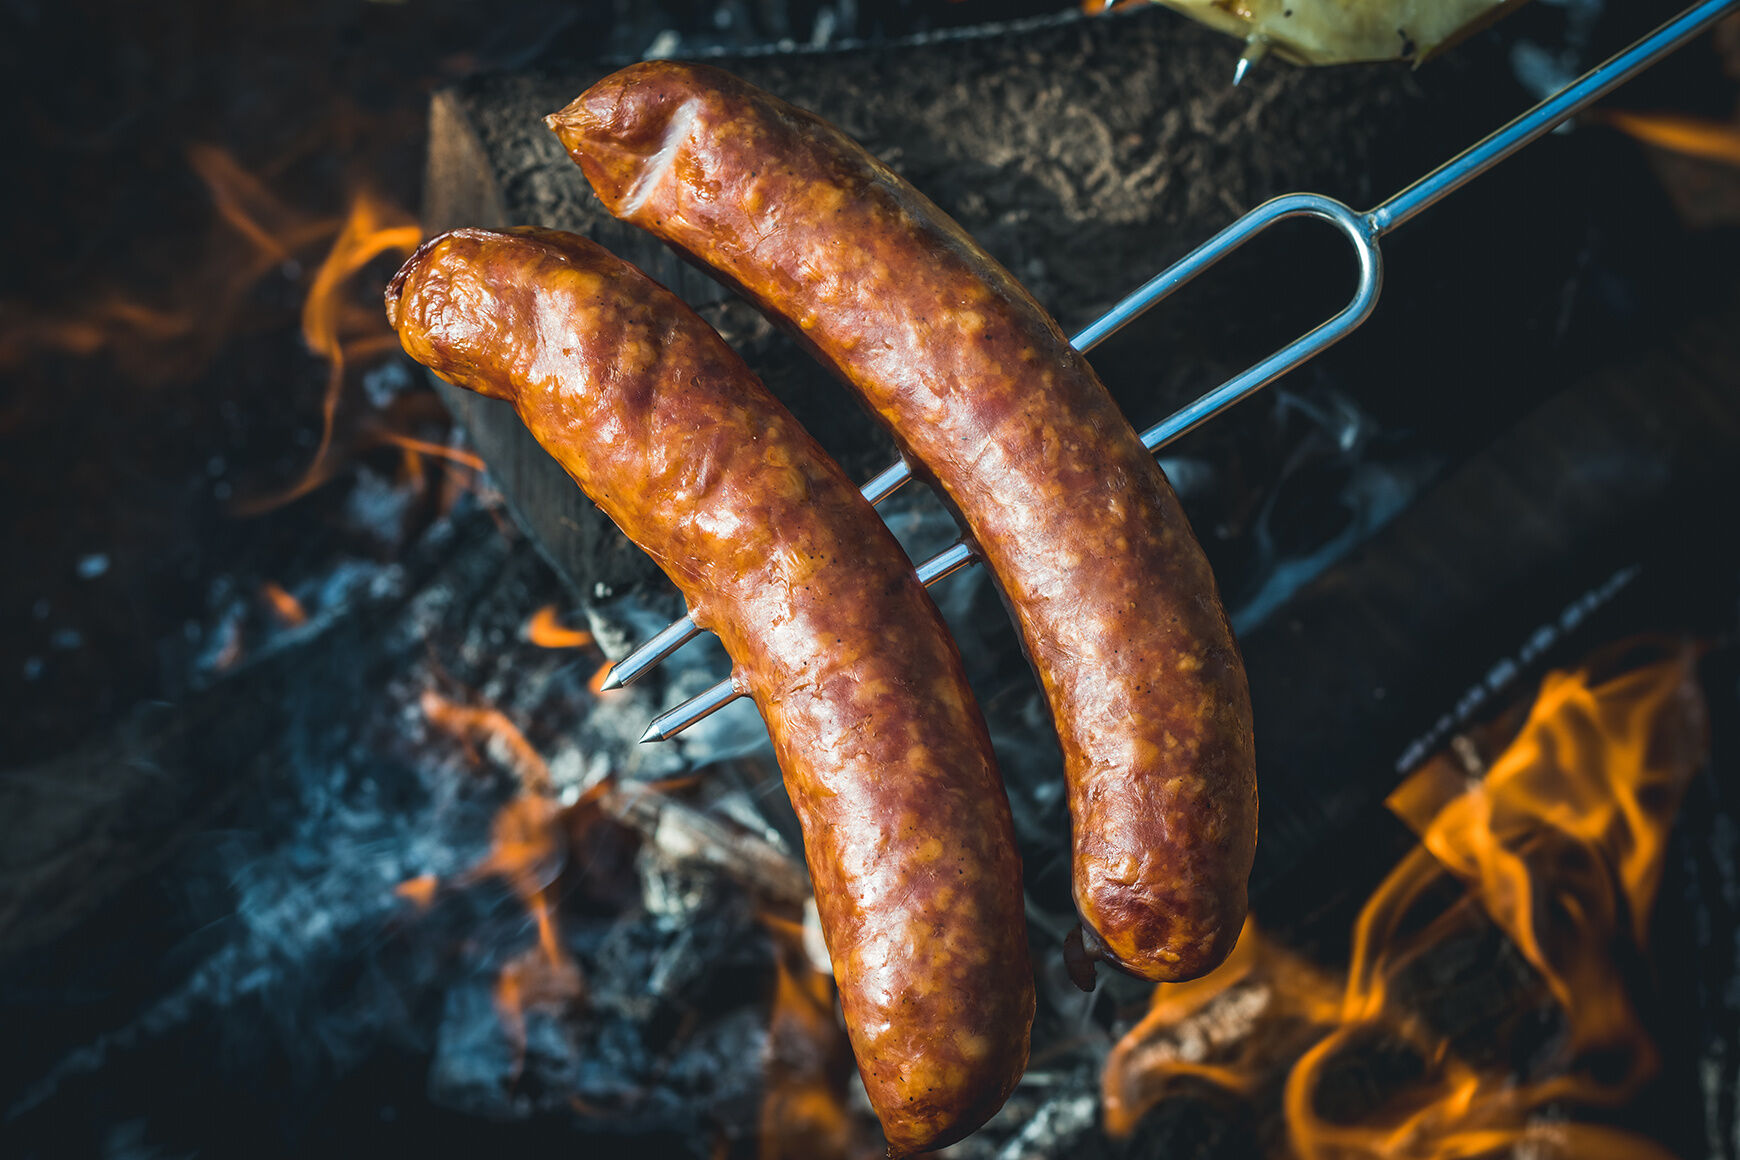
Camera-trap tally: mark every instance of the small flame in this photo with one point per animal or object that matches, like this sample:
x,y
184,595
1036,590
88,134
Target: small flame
x,y
527,851
1560,846
1679,133
276,231
198,310
471,724
803,1111
545,631
533,981
419,890
372,229
529,843
285,606
454,455
596,684
113,320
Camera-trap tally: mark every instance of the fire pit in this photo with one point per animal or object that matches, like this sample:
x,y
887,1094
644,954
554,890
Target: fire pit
x,y
326,836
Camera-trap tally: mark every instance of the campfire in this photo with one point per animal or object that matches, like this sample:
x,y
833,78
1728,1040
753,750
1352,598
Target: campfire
x,y
1559,845
328,833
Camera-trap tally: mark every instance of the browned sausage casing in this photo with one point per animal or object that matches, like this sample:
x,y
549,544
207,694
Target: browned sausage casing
x,y
906,827
1115,600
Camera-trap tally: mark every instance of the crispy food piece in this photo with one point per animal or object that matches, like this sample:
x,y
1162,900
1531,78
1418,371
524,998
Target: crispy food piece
x,y
1115,600
906,827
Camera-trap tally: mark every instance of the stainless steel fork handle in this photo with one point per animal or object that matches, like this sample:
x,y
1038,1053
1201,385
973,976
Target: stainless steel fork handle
x,y
1362,230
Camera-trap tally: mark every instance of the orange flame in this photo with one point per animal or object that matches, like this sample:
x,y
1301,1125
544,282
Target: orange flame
x,y
803,1111
113,319
471,724
340,329
596,684
372,228
456,455
419,890
1678,133
528,846
545,631
531,981
285,606
276,231
1560,847
199,308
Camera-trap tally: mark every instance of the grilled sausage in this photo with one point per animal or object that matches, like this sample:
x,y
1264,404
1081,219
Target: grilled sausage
x,y
1114,598
907,831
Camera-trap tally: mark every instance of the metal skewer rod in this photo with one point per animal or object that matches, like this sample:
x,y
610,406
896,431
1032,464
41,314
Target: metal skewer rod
x,y
1362,231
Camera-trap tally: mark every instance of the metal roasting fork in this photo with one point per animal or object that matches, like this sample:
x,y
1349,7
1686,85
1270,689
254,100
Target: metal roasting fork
x,y
1361,229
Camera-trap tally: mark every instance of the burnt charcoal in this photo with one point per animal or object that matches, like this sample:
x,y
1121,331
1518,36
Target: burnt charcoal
x,y
1199,1123
279,958
479,1068
1690,991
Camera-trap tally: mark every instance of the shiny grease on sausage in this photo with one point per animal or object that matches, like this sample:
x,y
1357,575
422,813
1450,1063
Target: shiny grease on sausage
x,y
1115,600
907,831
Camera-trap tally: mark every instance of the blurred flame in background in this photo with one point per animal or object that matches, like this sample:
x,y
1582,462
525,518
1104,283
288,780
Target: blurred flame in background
x,y
1692,136
178,332
1560,846
804,1115
545,631
197,310
337,326
528,849
284,606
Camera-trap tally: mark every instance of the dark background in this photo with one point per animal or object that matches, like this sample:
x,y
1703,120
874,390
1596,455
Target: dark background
x,y
158,402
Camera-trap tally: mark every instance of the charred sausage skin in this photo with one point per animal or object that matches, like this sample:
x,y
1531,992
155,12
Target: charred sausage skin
x,y
1114,598
907,831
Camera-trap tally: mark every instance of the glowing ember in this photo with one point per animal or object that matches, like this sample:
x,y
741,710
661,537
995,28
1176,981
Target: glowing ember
x,y
419,890
545,631
285,606
1560,846
455,455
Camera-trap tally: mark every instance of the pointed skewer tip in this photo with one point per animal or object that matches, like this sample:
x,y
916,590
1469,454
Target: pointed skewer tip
x,y
652,734
1240,69
612,680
